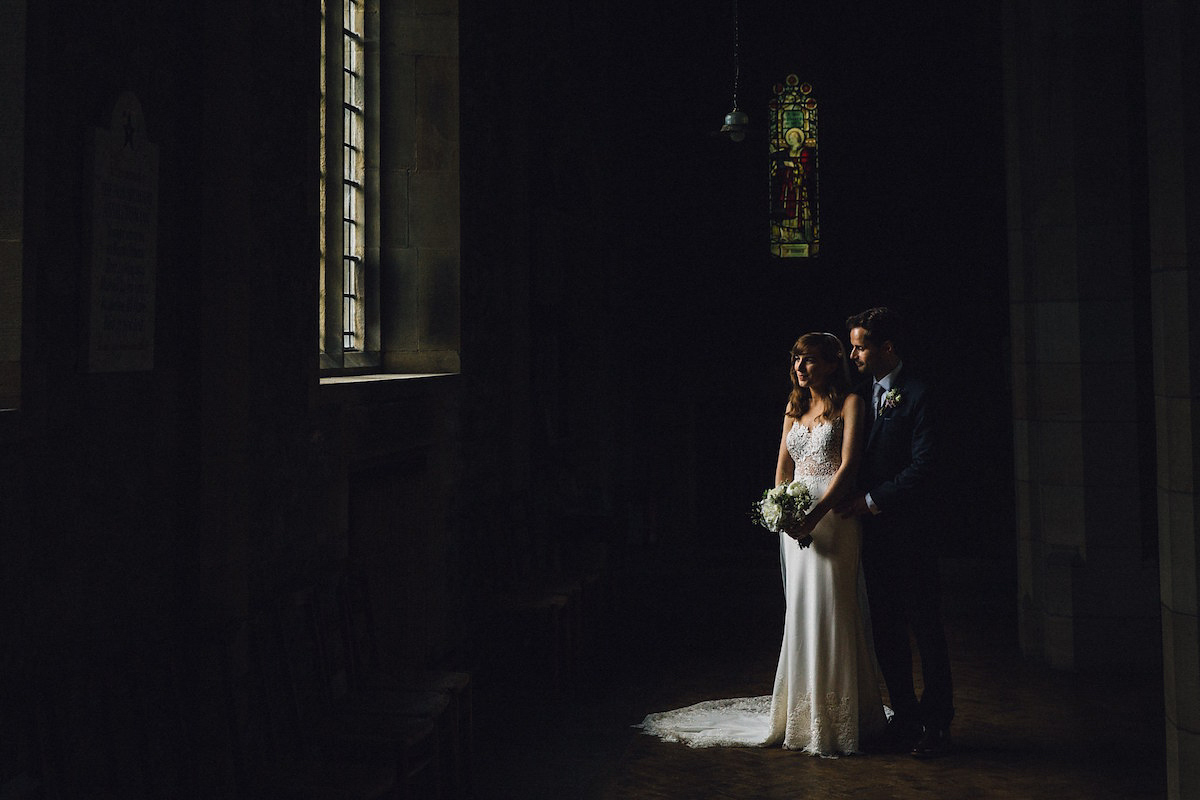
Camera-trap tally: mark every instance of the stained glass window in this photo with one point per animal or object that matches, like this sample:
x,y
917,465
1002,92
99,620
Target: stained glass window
x,y
795,221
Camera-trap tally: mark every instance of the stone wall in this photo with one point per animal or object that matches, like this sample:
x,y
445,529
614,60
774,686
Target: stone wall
x,y
1171,32
1098,103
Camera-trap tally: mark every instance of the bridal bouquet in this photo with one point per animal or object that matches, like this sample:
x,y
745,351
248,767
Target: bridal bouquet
x,y
783,507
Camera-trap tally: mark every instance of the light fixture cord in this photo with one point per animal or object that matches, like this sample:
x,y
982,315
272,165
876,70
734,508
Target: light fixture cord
x,y
736,47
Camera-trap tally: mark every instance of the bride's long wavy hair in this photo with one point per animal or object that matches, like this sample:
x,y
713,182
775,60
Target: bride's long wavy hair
x,y
830,348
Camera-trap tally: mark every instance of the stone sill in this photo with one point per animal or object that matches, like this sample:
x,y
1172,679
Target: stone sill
x,y
382,387
334,380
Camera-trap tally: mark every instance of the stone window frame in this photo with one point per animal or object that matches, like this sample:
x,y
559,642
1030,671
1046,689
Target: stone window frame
x,y
412,254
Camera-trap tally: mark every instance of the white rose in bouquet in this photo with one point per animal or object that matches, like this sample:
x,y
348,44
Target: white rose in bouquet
x,y
782,506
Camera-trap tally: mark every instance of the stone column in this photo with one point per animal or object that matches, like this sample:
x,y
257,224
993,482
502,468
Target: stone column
x,y
1077,276
1172,91
12,198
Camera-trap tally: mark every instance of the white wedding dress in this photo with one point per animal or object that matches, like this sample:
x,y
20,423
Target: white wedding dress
x,y
826,699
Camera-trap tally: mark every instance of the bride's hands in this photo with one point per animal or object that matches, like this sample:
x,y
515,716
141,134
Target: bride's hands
x,y
802,531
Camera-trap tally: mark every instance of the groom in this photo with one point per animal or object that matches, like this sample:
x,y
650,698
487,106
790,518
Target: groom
x,y
894,499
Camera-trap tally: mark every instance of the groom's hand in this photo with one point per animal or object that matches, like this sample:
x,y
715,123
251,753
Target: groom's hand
x,y
853,506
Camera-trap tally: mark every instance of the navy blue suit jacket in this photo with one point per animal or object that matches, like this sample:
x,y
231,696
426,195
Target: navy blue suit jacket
x,y
898,465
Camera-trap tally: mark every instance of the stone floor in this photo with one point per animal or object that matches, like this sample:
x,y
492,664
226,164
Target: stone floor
x,y
690,626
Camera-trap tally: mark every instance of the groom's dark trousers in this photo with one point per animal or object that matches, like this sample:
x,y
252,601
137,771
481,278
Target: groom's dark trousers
x,y
899,562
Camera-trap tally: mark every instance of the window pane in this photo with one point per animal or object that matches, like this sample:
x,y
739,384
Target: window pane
x,y
352,91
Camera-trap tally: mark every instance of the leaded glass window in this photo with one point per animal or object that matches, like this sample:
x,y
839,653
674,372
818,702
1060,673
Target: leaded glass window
x,y
352,176
795,221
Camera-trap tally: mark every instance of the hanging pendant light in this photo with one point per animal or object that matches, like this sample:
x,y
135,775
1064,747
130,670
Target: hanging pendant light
x,y
735,124
736,120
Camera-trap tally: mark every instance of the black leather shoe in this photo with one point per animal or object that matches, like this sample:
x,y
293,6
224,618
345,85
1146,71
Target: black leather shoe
x,y
900,737
935,742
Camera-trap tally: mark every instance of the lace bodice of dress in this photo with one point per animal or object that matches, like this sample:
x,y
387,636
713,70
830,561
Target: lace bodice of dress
x,y
817,451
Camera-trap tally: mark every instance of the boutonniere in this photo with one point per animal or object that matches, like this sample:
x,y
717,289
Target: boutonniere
x,y
891,399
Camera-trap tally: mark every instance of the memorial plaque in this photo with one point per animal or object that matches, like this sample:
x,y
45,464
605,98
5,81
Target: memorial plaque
x,y
124,240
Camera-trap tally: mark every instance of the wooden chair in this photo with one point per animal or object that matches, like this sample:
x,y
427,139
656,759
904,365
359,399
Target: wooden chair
x,y
76,739
368,675
525,624
356,727
275,756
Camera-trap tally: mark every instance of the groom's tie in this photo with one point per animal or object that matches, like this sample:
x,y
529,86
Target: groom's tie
x,y
878,405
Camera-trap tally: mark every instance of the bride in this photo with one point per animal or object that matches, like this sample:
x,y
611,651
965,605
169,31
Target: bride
x,y
826,699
